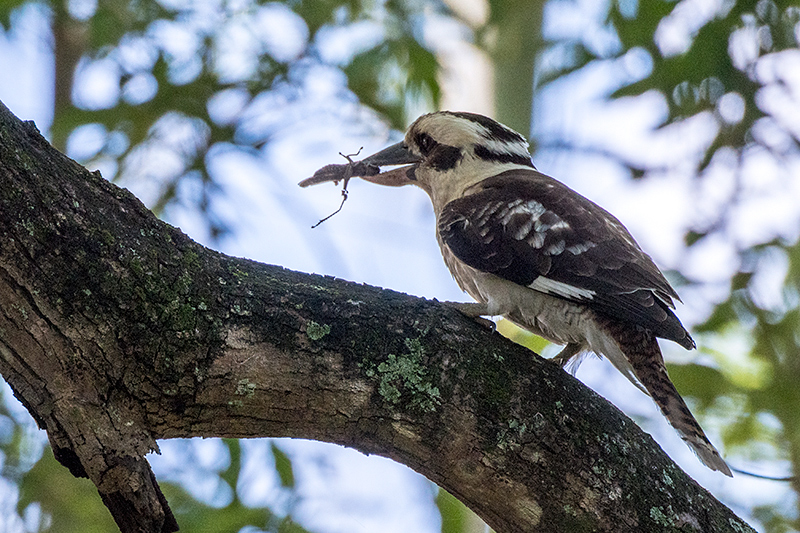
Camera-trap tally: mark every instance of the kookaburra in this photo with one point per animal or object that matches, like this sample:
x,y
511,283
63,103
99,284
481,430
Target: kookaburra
x,y
529,248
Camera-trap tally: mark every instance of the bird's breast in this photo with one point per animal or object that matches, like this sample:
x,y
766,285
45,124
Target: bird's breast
x,y
557,320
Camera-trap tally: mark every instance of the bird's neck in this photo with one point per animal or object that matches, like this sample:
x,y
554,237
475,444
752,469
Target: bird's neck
x,y
446,186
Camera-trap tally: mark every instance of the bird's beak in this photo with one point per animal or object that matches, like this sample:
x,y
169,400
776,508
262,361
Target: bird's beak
x,y
369,169
396,154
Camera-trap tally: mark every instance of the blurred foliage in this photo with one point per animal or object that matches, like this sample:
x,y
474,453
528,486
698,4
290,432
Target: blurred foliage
x,y
696,80
770,411
454,515
48,497
733,62
51,499
173,62
7,8
456,518
65,503
283,465
527,339
194,515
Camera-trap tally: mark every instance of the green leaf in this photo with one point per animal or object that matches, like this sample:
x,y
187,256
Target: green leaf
x,y
72,503
701,382
193,515
231,474
573,56
522,337
283,465
456,517
287,525
7,8
639,31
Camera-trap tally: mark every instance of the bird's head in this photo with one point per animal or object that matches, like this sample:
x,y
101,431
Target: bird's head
x,y
447,152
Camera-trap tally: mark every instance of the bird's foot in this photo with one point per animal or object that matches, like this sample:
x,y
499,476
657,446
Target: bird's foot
x,y
564,357
476,311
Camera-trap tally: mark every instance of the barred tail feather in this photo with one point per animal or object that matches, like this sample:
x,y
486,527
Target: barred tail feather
x,y
644,355
678,415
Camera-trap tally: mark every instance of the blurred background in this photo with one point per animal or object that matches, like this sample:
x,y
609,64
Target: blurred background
x,y
680,117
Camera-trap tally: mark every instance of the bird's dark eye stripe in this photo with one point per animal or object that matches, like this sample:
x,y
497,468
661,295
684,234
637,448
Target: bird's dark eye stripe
x,y
502,157
445,157
425,143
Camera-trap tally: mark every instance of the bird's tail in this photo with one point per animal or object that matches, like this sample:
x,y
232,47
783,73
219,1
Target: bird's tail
x,y
642,351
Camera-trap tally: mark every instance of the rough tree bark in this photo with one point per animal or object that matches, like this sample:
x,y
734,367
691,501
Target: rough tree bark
x,y
116,329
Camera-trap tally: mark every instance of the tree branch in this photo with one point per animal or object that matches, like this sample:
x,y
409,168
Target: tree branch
x,y
116,330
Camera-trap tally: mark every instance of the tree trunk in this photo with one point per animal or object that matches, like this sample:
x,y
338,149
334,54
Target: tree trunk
x,y
116,329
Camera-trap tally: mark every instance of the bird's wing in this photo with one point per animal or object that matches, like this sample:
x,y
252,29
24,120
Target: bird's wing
x,y
535,231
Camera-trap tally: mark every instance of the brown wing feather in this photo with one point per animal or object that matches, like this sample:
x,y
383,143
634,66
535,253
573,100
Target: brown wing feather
x,y
522,225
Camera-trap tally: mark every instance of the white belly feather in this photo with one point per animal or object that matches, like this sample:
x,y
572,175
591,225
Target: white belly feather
x,y
555,319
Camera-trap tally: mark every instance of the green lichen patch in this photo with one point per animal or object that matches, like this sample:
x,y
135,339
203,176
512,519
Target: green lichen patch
x,y
316,331
245,388
238,274
660,518
509,437
407,374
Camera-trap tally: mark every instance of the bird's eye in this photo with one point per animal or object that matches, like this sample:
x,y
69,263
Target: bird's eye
x,y
426,143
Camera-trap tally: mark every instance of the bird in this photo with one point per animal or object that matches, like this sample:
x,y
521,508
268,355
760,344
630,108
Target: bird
x,y
526,246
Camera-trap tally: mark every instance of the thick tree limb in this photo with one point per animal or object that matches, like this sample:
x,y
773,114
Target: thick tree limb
x,y
117,329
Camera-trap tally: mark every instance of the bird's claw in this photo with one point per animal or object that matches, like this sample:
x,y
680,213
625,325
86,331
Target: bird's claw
x,y
475,311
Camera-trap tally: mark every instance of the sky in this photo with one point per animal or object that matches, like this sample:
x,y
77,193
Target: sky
x,y
385,236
